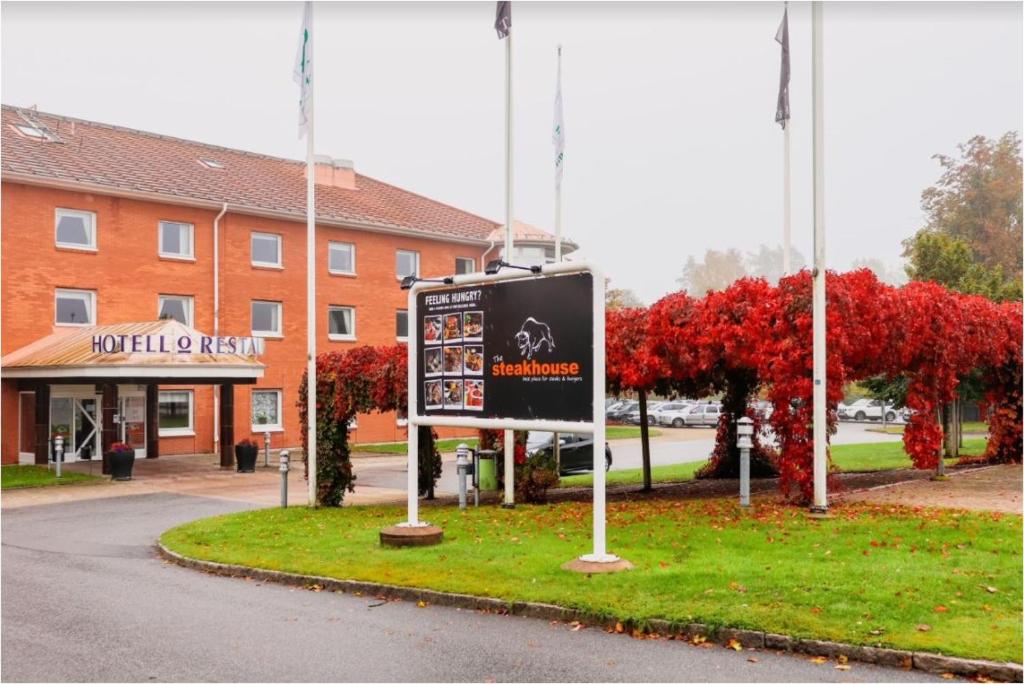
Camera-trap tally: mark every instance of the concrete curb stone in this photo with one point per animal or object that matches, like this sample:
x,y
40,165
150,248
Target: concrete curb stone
x,y
888,657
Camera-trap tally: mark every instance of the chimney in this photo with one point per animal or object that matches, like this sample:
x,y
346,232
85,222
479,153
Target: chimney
x,y
335,173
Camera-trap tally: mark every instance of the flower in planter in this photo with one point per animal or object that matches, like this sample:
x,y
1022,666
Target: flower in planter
x,y
121,447
248,443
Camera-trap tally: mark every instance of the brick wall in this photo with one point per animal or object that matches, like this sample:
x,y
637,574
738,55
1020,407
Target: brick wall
x,y
128,275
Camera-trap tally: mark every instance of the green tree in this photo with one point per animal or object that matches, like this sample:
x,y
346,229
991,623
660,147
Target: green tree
x,y
972,240
718,271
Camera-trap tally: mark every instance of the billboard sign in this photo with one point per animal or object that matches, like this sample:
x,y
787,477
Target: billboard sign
x,y
509,349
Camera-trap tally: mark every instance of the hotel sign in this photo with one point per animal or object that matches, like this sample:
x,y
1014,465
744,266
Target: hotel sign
x,y
182,344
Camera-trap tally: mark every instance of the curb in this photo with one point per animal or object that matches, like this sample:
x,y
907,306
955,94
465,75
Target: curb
x,y
933,663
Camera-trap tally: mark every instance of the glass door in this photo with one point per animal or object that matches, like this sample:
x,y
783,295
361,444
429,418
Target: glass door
x,y
87,429
62,412
132,409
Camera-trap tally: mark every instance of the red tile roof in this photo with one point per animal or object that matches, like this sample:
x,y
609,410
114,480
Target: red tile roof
x,y
128,160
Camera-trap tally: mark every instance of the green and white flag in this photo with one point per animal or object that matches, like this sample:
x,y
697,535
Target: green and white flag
x,y
303,71
558,130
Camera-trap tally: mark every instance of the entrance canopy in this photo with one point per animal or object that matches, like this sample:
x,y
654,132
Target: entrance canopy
x,y
165,351
131,360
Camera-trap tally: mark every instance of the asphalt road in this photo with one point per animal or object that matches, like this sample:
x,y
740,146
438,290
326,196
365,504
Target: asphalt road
x,y
86,599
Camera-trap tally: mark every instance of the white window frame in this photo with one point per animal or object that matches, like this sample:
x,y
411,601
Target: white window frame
x,y
190,255
30,131
188,431
90,216
280,319
68,291
416,271
280,250
352,247
398,337
334,336
267,427
190,302
472,264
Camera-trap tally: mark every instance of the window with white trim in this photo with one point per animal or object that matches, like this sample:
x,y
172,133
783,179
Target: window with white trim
x,y
176,240
266,319
341,323
407,263
178,307
74,307
75,229
402,325
175,412
341,258
464,265
266,250
266,410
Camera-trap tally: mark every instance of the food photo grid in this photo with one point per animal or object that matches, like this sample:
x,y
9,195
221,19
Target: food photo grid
x,y
452,363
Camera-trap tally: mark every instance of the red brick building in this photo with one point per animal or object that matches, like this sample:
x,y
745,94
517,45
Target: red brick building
x,y
104,225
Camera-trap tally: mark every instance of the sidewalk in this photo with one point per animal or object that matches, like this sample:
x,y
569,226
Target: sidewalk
x,y
993,488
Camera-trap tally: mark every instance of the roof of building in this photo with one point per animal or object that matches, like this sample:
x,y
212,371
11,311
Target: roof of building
x,y
70,352
126,160
524,232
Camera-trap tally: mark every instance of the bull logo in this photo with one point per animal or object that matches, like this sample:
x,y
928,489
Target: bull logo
x,y
532,336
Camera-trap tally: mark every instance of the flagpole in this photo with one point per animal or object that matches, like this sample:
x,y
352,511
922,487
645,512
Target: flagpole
x,y
509,445
311,385
820,379
556,444
787,262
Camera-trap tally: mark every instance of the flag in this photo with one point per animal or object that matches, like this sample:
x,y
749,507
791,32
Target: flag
x,y
782,38
503,18
302,74
558,130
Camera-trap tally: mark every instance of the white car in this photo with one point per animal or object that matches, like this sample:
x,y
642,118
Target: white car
x,y
867,409
674,413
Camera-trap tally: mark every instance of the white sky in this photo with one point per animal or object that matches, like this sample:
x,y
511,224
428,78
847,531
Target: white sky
x,y
671,142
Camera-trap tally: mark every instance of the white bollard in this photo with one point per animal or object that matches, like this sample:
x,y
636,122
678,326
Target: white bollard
x,y
58,449
461,463
744,434
284,468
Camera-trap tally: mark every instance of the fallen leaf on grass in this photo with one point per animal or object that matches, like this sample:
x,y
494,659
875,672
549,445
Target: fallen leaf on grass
x,y
619,629
991,590
698,639
924,628
734,645
941,609
818,660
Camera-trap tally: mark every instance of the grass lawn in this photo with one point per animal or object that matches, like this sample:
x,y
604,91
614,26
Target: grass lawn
x,y
445,445
971,427
21,476
870,575
848,457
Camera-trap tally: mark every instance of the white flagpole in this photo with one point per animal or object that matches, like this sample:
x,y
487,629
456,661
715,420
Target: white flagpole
x,y
311,289
787,263
820,431
509,501
556,444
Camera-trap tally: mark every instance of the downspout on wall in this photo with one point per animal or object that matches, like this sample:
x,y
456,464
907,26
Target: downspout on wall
x,y
216,318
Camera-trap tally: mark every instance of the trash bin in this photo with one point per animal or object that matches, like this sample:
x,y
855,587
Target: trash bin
x,y
488,474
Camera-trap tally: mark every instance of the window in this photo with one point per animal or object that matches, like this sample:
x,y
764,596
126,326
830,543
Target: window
x,y
341,322
75,307
464,265
266,319
175,413
176,240
402,324
341,258
30,131
266,250
76,229
407,263
266,410
177,307
211,163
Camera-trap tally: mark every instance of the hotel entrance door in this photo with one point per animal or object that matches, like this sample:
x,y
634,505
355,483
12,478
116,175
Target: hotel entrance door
x,y
132,412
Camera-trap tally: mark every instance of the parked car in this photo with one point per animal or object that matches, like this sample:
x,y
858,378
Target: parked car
x,y
866,409
576,454
652,406
622,411
703,415
672,413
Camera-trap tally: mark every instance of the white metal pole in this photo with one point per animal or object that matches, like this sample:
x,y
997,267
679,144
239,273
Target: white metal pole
x,y
820,380
413,477
600,553
311,289
787,248
556,444
509,442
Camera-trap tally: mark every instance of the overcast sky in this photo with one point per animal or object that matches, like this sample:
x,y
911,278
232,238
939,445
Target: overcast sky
x,y
672,146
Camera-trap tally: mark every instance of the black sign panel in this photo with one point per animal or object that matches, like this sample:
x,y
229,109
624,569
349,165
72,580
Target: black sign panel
x,y
521,349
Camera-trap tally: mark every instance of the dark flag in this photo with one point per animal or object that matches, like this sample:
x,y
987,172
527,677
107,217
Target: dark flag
x,y
782,38
503,19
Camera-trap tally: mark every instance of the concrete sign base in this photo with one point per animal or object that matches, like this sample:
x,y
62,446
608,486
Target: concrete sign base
x,y
409,535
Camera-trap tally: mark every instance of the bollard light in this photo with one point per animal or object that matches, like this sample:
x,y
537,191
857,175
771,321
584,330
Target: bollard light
x,y
744,433
266,448
461,467
58,448
284,468
744,441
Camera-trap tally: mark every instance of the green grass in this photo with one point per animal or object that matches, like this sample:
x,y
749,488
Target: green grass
x,y
846,457
445,445
869,575
21,476
972,427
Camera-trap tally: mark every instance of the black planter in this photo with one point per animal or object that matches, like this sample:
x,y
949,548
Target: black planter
x,y
121,464
245,457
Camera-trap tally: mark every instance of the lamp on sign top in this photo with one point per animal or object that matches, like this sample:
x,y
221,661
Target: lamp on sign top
x,y
496,265
410,280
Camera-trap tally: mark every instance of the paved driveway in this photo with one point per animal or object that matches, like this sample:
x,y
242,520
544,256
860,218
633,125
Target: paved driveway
x,y
85,599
